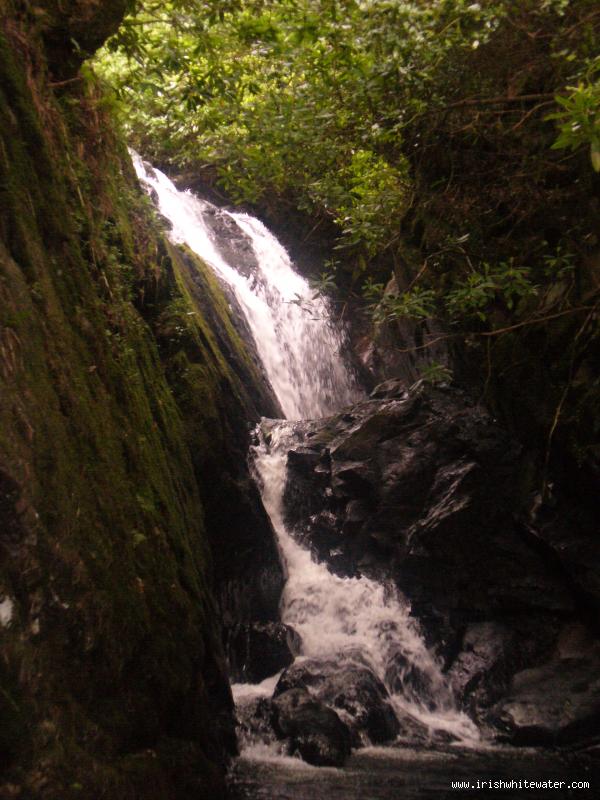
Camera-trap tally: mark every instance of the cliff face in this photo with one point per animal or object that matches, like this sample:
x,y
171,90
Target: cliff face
x,y
122,415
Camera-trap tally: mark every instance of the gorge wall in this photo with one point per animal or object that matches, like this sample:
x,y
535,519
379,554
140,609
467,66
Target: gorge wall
x,y
125,396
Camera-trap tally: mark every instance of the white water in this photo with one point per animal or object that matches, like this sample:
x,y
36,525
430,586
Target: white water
x,y
301,355
295,339
6,611
336,615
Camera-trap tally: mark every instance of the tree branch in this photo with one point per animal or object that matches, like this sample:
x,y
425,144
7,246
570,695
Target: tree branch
x,y
492,101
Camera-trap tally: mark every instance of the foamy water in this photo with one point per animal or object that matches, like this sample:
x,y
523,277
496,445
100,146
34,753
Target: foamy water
x,y
295,338
336,616
300,350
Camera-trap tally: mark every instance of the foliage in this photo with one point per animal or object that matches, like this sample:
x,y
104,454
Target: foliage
x,y
416,304
435,373
503,283
317,102
292,99
579,119
442,142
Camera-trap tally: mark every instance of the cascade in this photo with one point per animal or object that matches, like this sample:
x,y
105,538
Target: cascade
x,y
294,336
300,349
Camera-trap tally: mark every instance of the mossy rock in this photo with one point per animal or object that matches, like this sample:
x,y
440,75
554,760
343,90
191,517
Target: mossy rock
x,y
124,411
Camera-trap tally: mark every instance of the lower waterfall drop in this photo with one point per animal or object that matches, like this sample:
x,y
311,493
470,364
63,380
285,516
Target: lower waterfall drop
x,y
340,620
353,618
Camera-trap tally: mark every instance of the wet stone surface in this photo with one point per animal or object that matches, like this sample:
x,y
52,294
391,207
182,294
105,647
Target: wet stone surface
x,y
352,690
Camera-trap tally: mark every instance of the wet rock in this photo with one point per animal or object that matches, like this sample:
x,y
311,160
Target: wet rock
x,y
406,679
232,243
254,721
421,487
432,478
555,704
482,670
393,387
312,729
352,689
260,649
412,732
306,493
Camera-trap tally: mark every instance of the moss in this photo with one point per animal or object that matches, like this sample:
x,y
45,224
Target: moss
x,y
124,391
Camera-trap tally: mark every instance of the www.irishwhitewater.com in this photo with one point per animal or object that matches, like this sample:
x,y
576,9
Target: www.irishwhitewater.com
x,y
520,784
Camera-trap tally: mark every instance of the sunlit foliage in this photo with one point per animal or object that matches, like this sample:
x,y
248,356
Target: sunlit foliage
x,y
323,105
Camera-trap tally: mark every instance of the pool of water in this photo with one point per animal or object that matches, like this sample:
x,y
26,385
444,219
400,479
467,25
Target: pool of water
x,y
407,774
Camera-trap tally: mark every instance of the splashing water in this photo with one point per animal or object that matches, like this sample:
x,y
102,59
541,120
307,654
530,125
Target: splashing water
x,y
301,355
334,615
294,336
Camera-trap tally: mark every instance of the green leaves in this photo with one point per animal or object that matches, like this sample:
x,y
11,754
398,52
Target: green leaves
x,y
327,106
579,117
304,98
473,298
501,284
418,304
435,373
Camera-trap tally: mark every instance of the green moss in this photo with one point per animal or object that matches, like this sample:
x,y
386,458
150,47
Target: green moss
x,y
122,384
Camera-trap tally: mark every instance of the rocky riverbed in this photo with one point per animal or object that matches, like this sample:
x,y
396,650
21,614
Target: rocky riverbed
x,y
418,491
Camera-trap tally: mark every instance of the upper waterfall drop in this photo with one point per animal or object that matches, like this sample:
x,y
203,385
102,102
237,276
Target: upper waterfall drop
x,y
295,338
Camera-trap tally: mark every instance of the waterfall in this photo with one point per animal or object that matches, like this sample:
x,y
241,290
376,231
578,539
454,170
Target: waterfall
x,y
336,615
292,329
300,349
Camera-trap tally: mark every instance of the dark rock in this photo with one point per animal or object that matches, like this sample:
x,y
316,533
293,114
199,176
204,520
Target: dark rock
x,y
421,487
312,729
259,649
406,679
233,244
254,721
75,29
490,654
305,491
352,689
555,704
482,669
420,470
412,732
564,531
393,387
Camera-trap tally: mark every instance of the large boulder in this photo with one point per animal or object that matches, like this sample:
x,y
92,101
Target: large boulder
x,y
482,670
412,682
352,689
423,488
311,729
555,704
260,649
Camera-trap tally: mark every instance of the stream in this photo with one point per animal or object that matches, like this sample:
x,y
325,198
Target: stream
x,y
352,623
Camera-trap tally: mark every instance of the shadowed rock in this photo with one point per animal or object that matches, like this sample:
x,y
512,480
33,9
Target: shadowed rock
x,y
352,689
260,649
421,487
555,704
312,729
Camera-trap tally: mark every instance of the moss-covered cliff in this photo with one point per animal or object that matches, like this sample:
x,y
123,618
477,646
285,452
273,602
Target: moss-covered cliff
x,y
122,415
